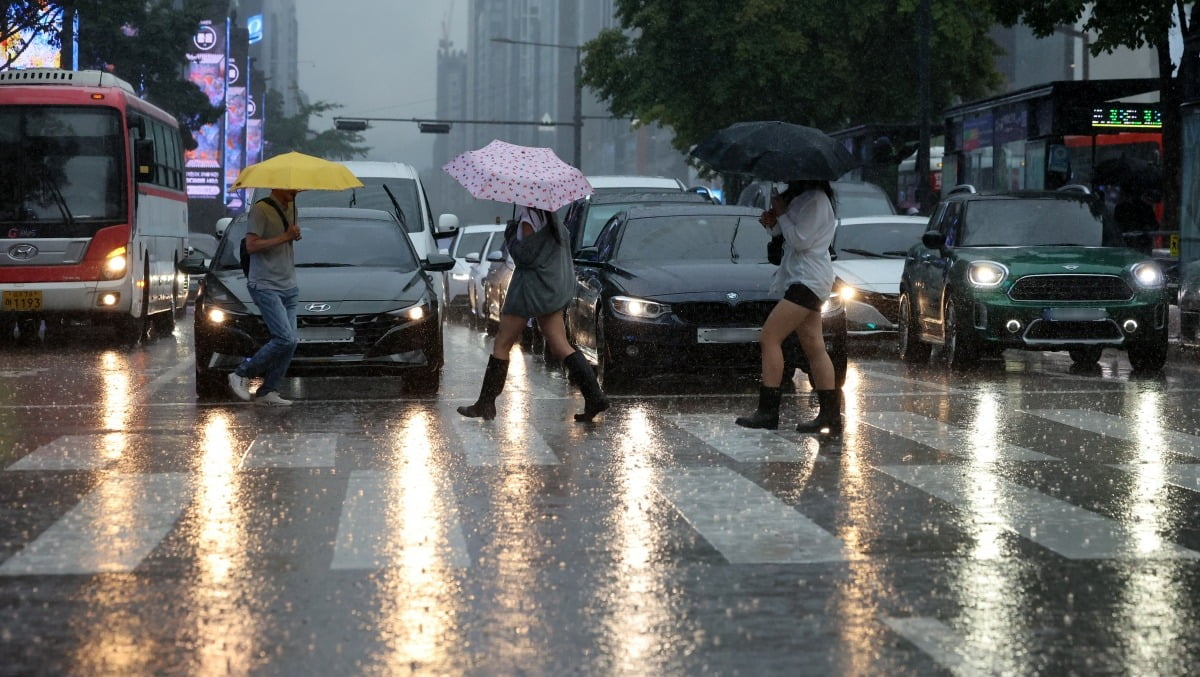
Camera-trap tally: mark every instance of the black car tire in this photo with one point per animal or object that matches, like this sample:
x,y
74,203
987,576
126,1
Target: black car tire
x,y
961,346
1086,356
211,385
910,347
423,383
1148,356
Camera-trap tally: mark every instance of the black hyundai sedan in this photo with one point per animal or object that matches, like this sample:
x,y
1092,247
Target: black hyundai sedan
x,y
682,288
367,304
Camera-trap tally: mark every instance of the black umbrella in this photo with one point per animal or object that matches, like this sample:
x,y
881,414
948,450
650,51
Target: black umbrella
x,y
777,151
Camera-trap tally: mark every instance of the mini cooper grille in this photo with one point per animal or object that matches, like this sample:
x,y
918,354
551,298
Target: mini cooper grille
x,y
1072,331
716,313
1070,288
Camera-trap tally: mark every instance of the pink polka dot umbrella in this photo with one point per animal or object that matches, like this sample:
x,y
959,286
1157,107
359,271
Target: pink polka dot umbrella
x,y
522,175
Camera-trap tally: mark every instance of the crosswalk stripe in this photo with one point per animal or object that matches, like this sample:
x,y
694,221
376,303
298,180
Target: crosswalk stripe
x,y
111,530
744,522
1123,428
957,441
990,501
386,524
292,450
498,442
747,445
1182,475
75,452
938,640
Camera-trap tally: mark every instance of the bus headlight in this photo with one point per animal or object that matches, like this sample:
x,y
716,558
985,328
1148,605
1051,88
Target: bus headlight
x,y
115,263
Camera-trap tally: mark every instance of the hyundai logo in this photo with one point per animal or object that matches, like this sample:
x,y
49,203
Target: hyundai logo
x,y
22,252
732,296
317,307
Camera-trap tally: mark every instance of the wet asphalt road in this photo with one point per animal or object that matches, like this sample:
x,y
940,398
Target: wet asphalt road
x,y
1023,518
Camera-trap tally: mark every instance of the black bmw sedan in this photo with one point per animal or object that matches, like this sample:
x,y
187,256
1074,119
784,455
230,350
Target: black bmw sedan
x,y
682,288
367,304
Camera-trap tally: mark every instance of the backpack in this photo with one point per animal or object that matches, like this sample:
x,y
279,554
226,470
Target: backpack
x,y
243,255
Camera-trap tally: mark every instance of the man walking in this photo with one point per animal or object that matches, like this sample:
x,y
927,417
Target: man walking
x,y
272,284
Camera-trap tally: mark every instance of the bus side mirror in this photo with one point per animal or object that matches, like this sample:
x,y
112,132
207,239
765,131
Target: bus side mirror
x,y
143,153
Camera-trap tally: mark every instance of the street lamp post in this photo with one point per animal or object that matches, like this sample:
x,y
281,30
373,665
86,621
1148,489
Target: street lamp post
x,y
577,120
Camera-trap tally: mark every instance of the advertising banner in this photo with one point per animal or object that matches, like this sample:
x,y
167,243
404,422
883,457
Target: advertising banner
x,y
206,68
235,113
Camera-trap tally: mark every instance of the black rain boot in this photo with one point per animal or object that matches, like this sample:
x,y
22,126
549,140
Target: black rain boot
x,y
581,374
767,414
829,418
493,383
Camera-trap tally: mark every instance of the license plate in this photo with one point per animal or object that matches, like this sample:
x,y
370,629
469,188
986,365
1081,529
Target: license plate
x,y
325,335
1075,314
16,301
728,335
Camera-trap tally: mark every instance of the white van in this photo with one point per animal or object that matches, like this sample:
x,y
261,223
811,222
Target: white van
x,y
391,186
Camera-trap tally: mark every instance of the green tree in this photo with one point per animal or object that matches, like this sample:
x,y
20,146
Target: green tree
x,y
699,65
293,133
1125,23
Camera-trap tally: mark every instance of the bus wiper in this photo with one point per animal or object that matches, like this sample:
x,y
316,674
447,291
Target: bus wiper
x,y
396,204
50,183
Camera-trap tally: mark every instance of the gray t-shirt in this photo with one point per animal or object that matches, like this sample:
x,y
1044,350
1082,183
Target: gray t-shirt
x,y
273,268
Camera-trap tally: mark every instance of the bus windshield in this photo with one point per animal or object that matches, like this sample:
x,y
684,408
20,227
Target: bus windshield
x,y
63,176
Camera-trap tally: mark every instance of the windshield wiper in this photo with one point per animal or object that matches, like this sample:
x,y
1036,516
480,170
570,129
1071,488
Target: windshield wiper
x,y
49,182
862,252
396,204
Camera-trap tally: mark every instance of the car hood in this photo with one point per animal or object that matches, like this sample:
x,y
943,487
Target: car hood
x,y
877,275
693,280
346,290
1062,260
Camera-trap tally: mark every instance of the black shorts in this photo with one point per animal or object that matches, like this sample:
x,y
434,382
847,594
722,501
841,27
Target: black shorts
x,y
803,296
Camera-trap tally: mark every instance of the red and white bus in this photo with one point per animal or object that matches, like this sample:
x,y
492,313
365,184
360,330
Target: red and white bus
x,y
93,207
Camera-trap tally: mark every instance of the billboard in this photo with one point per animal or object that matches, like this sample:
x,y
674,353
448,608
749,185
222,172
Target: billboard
x,y
35,47
236,104
207,69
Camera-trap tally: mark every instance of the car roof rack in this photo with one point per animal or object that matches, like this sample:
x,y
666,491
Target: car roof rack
x,y
962,188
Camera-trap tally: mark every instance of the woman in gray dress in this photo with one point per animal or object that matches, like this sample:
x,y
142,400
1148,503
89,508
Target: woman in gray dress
x,y
542,284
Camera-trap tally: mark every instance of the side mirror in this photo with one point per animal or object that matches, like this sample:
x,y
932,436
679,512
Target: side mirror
x,y
586,255
932,239
495,257
473,257
143,153
194,264
222,224
438,263
447,224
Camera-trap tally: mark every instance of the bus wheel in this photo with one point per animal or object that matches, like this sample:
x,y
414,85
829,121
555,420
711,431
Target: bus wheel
x,y
164,323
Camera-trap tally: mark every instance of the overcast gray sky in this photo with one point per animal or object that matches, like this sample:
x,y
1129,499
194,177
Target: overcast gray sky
x,y
378,58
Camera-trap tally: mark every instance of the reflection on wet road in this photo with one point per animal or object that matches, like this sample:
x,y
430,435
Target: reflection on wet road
x,y
1021,518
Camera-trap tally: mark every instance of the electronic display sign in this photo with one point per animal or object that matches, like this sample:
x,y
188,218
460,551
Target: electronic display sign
x,y
1127,116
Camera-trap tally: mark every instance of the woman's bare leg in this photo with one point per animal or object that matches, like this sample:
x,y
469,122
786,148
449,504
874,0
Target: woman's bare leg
x,y
509,332
555,332
812,341
783,320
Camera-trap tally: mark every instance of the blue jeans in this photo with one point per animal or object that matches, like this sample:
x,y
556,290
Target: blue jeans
x,y
278,310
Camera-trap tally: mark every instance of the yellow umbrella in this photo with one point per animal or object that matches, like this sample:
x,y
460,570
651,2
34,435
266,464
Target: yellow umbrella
x,y
297,171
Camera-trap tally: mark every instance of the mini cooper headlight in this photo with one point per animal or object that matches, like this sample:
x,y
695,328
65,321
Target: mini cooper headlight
x,y
1148,274
986,274
640,309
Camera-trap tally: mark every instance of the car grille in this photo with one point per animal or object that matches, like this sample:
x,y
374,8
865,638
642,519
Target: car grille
x,y
1051,332
888,305
1070,288
717,314
368,330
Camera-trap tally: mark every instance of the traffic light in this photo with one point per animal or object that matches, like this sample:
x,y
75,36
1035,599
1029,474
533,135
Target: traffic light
x,y
434,127
343,125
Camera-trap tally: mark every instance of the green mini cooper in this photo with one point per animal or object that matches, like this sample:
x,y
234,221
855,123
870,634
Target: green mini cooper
x,y
1031,271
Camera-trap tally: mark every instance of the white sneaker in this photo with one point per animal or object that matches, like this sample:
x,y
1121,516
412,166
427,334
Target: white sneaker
x,y
240,385
272,399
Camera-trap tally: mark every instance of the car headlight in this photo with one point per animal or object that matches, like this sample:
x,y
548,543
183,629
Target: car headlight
x,y
417,311
460,277
640,309
986,274
1148,274
844,290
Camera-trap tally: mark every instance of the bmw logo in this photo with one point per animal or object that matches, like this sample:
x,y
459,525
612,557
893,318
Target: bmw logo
x,y
732,296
